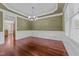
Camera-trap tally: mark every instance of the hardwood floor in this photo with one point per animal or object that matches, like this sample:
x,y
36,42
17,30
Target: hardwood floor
x,y
34,46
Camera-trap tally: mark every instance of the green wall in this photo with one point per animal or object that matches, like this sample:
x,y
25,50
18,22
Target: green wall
x,y
51,23
23,24
1,21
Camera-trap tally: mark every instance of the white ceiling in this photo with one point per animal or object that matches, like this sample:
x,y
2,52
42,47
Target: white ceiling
x,y
26,8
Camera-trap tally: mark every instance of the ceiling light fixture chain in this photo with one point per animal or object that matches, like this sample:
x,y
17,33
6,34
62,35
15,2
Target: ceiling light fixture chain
x,y
32,17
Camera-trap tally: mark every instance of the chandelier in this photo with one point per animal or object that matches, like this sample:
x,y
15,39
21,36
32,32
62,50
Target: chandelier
x,y
32,17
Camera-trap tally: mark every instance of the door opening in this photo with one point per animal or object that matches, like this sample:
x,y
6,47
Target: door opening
x,y
9,33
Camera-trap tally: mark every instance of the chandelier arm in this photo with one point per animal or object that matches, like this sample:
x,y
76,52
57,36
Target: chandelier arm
x,y
32,17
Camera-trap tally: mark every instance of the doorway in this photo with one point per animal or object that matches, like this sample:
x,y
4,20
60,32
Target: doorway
x,y
9,33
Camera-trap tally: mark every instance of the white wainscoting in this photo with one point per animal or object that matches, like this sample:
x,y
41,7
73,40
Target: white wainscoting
x,y
1,38
22,34
56,35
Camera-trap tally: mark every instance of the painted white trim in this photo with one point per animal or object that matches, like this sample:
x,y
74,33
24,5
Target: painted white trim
x,y
65,7
54,15
22,17
3,10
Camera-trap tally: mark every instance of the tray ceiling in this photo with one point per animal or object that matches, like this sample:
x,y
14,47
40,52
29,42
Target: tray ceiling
x,y
26,8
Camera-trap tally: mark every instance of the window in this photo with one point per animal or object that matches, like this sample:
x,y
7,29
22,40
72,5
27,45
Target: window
x,y
71,23
75,28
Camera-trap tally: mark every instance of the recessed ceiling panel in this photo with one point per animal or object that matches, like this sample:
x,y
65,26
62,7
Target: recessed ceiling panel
x,y
38,10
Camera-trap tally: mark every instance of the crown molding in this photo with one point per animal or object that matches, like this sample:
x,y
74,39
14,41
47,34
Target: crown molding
x,y
54,15
14,11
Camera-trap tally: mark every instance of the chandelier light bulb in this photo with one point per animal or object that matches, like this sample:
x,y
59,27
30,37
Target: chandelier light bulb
x,y
29,17
34,16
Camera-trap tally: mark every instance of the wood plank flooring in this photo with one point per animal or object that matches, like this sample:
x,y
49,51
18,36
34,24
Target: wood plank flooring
x,y
34,46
